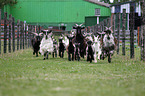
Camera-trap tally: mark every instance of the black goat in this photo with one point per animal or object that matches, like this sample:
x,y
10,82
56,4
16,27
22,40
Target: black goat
x,y
55,48
36,42
70,49
90,53
79,38
61,47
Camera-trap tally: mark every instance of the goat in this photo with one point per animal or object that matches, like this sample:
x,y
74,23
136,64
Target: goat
x,y
70,49
89,52
55,46
65,41
108,43
46,45
79,38
36,42
61,47
97,48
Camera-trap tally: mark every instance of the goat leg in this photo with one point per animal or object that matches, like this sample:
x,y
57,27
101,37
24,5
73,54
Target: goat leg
x,y
72,56
69,57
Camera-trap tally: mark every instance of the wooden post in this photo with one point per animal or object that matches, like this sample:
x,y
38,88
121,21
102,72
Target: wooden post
x,y
108,22
123,30
113,24
23,40
105,23
102,25
143,23
132,32
29,35
25,35
21,34
141,44
0,31
13,32
5,32
18,30
118,33
10,31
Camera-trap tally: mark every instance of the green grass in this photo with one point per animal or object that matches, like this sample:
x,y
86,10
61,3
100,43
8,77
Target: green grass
x,y
22,74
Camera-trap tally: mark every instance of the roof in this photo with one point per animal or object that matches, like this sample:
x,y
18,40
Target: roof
x,y
123,3
99,3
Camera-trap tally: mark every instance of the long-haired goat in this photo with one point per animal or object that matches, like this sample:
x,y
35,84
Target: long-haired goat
x,y
108,43
46,45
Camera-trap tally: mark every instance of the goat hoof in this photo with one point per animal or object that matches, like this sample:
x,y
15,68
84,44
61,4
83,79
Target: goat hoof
x,y
95,61
43,58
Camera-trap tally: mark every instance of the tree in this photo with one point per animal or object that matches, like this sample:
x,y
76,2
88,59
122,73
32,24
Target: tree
x,y
5,2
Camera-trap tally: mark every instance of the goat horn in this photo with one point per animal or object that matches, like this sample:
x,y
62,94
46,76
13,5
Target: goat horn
x,y
103,33
40,34
77,25
106,28
35,33
110,27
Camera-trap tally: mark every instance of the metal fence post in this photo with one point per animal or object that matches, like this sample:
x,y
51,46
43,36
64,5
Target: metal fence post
x,y
5,32
18,30
118,33
143,23
132,32
21,34
10,31
0,31
123,30
25,35
13,32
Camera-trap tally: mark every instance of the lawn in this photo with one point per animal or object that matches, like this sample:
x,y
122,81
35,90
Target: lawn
x,y
22,74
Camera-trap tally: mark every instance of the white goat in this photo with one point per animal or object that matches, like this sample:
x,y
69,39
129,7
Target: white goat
x,y
65,41
96,48
46,45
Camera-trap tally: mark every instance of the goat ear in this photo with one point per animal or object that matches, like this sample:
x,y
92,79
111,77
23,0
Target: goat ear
x,y
50,34
73,36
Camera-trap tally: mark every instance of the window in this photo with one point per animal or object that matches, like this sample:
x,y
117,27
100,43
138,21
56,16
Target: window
x,y
97,12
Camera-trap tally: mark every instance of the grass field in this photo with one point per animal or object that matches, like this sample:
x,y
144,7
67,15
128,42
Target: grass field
x,y
22,74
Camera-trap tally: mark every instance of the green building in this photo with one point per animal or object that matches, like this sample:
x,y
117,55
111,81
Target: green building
x,y
56,12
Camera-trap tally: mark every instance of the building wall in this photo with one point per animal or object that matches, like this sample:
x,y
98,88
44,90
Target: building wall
x,y
55,12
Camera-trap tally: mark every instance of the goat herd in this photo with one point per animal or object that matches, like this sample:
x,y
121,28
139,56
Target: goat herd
x,y
77,44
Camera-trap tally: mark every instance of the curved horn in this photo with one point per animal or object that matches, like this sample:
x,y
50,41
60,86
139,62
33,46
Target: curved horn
x,y
81,24
35,33
77,25
106,28
40,34
101,33
110,27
